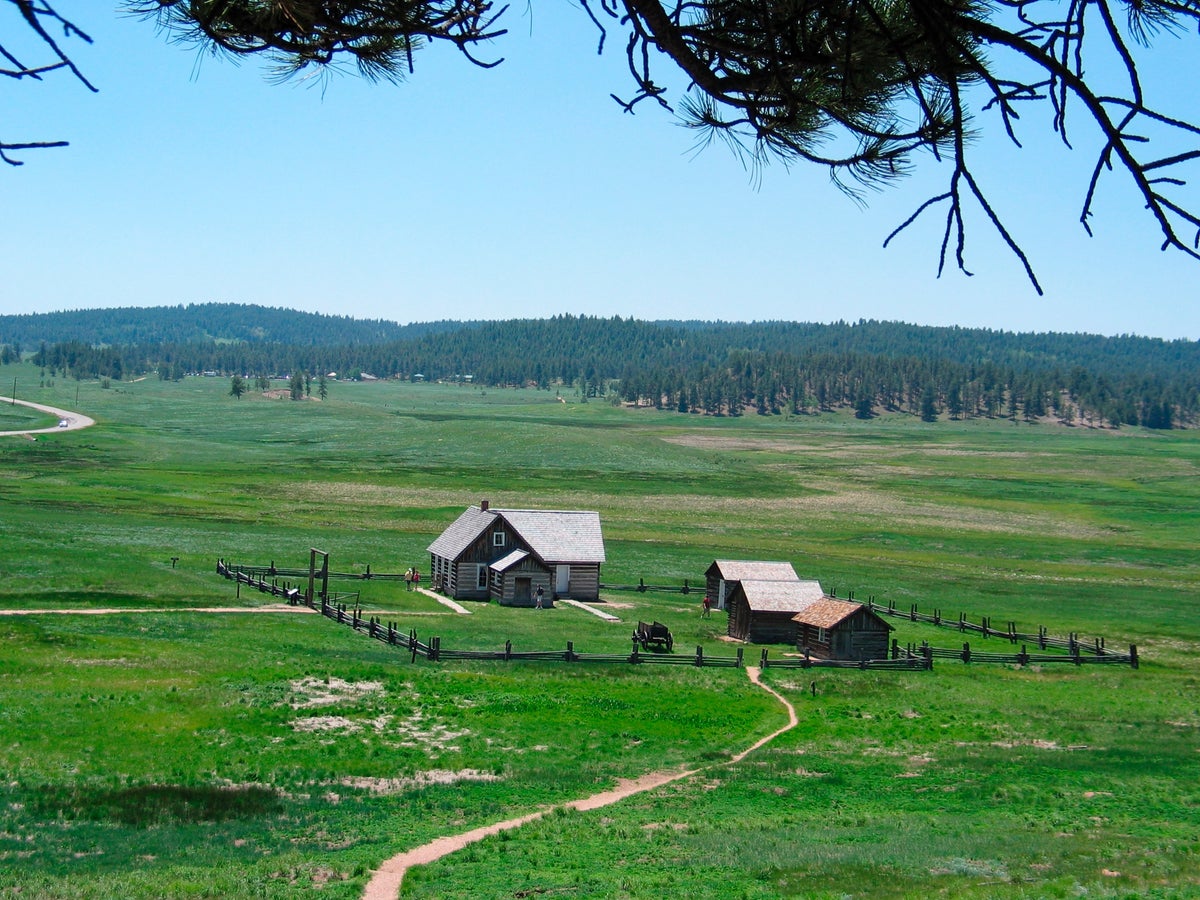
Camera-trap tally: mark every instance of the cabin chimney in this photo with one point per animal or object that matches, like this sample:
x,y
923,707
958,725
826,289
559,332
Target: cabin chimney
x,y
483,506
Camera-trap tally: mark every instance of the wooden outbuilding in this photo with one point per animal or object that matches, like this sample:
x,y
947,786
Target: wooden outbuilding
x,y
508,554
724,574
841,629
763,612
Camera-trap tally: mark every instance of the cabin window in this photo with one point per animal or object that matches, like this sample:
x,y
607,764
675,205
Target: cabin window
x,y
822,637
481,578
497,538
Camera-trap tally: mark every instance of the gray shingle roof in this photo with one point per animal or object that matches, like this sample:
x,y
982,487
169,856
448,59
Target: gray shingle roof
x,y
462,533
781,596
509,561
559,536
554,536
754,570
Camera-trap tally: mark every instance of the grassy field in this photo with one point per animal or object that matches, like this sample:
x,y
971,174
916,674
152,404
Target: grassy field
x,y
165,752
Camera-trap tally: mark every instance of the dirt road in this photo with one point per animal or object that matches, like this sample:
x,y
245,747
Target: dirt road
x,y
74,421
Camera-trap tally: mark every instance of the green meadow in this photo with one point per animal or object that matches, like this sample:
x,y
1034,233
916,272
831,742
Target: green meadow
x,y
164,749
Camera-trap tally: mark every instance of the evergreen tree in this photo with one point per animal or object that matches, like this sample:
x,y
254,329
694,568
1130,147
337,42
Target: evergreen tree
x,y
929,410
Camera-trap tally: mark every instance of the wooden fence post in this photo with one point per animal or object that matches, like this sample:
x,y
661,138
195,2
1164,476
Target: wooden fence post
x,y
739,657
966,651
435,649
569,656
1023,657
699,655
507,650
762,662
1133,656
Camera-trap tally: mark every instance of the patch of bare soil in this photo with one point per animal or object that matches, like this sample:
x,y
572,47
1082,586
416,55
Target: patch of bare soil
x,y
316,692
383,786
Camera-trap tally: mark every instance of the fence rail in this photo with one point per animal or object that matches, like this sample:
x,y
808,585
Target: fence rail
x,y
1078,651
335,606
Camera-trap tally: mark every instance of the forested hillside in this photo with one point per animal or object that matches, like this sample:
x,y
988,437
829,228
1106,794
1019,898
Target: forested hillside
x,y
767,368
203,322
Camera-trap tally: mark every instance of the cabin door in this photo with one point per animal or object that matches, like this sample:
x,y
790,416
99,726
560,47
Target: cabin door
x,y
843,645
522,592
562,579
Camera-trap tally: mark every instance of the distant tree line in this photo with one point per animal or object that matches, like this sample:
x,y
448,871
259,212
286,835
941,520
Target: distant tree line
x,y
717,369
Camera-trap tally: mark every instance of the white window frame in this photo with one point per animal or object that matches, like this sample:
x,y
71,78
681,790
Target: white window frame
x,y
497,538
481,578
822,637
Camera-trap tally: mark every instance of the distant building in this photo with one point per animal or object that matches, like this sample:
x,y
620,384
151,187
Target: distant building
x,y
507,554
763,612
723,574
841,629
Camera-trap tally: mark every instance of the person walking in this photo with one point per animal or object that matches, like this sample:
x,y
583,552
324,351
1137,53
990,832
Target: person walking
x,y
408,578
705,607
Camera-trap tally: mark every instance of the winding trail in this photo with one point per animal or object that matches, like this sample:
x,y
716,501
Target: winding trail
x,y
74,420
385,883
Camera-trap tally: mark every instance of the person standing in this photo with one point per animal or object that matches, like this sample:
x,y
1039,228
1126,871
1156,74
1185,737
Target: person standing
x,y
538,597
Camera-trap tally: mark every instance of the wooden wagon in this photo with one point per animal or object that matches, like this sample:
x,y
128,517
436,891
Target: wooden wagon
x,y
653,634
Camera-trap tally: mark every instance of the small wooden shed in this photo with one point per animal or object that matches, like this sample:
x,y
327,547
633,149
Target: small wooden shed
x,y
841,629
724,574
763,612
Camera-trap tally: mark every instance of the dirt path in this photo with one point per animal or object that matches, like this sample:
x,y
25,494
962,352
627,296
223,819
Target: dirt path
x,y
385,883
74,420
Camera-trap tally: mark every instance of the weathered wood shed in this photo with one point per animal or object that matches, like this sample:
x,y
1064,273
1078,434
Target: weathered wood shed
x,y
507,554
841,629
723,574
763,612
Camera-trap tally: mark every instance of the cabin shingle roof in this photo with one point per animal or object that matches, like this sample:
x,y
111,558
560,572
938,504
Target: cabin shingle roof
x,y
827,613
559,536
554,536
509,561
781,596
754,570
462,532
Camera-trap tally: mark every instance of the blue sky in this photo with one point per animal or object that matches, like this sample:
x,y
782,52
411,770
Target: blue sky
x,y
524,191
